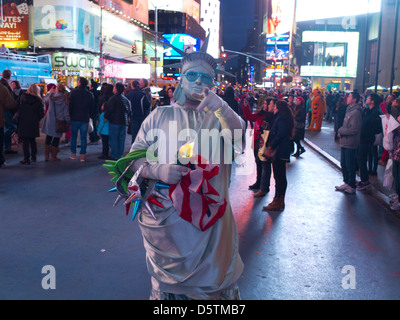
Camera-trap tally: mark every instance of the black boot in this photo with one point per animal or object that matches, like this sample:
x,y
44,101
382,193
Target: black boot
x,y
255,186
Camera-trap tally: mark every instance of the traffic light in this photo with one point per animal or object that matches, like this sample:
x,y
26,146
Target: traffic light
x,y
134,50
223,55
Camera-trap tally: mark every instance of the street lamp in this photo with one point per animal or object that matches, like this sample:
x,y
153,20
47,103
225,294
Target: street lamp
x,y
156,40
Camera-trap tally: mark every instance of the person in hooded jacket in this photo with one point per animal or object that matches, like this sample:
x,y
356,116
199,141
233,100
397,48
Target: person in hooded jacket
x,y
58,101
31,109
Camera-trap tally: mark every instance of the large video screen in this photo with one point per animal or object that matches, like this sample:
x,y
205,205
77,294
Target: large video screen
x,y
278,46
182,42
280,52
331,54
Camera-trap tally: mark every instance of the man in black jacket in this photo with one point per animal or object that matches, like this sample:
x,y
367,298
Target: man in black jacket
x,y
140,108
81,109
117,116
370,126
94,138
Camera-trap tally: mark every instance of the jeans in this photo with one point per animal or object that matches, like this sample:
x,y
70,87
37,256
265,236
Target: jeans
x,y
258,166
106,147
82,127
2,159
10,128
373,159
135,126
265,175
348,164
30,148
363,151
279,168
117,140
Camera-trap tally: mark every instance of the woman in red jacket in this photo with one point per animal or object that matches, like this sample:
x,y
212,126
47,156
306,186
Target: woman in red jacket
x,y
259,118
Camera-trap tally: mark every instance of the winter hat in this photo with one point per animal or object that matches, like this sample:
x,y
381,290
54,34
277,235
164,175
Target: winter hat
x,y
50,86
301,99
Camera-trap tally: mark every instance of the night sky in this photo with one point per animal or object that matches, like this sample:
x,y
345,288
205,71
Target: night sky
x,y
238,18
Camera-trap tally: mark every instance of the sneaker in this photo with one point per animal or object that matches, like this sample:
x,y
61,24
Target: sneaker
x,y
363,185
82,158
349,190
342,187
72,156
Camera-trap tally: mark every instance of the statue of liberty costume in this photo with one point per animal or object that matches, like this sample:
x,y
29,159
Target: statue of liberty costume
x,y
189,234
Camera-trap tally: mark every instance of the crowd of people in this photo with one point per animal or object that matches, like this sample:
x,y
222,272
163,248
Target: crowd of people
x,y
360,128
86,113
279,120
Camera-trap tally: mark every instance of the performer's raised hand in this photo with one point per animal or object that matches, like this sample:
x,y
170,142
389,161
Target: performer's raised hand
x,y
209,101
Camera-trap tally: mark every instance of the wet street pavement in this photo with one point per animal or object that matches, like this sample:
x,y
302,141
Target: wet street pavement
x,y
324,245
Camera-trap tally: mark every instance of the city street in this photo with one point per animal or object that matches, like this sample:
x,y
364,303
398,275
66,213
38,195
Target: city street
x,y
61,215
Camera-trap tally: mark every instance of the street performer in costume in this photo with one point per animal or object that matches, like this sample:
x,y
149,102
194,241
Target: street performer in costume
x,y
318,109
189,233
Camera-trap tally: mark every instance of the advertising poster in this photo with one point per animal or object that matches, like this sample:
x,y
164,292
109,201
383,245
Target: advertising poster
x,y
119,44
280,17
335,54
75,25
14,29
136,9
183,42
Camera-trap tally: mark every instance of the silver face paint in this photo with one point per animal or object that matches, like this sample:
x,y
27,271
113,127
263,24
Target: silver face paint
x,y
198,85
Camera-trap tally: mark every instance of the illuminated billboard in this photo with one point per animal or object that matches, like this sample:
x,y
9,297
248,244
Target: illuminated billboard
x,y
278,47
182,42
324,9
14,30
334,54
279,52
280,17
135,9
75,24
136,71
190,7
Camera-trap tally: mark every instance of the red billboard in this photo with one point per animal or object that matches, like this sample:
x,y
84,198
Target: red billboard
x,y
14,29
